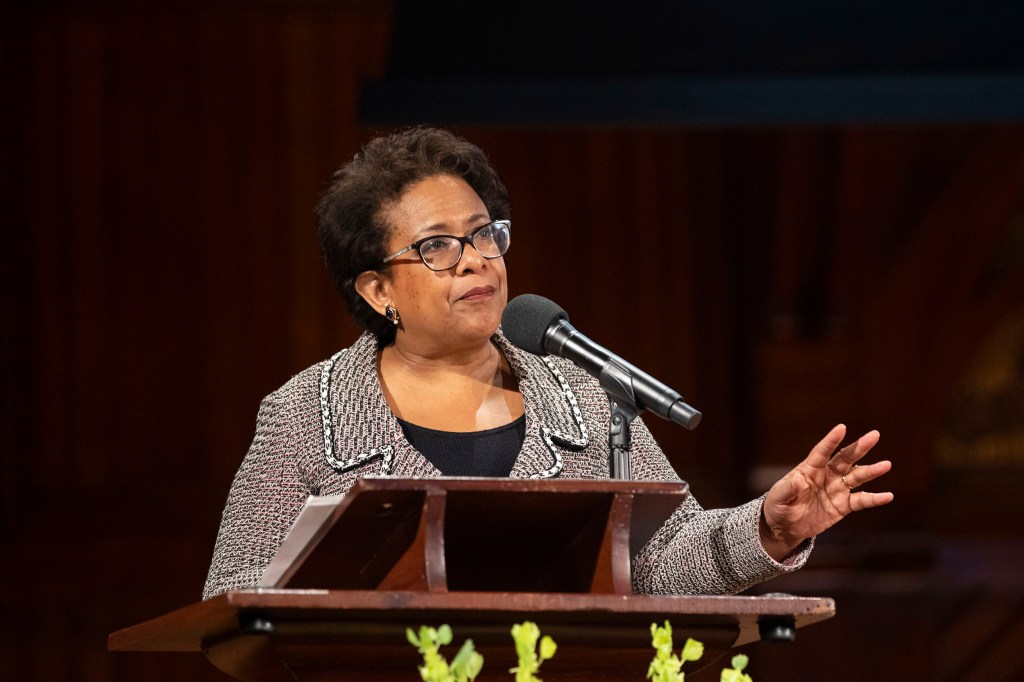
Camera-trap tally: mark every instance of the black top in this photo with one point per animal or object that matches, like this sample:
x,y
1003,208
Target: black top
x,y
476,453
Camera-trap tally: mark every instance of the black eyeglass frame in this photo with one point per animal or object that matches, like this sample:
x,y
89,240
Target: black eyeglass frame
x,y
468,239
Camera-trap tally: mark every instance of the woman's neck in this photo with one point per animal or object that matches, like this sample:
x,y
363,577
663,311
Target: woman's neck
x,y
469,390
477,362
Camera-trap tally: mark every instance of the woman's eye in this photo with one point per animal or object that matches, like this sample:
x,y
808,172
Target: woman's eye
x,y
434,245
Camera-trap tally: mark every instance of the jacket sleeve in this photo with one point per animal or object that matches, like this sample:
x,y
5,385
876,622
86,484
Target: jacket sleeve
x,y
702,551
266,496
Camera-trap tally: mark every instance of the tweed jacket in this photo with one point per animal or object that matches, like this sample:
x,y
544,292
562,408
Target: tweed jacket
x,y
331,424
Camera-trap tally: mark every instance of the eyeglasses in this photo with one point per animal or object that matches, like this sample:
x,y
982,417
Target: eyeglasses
x,y
444,251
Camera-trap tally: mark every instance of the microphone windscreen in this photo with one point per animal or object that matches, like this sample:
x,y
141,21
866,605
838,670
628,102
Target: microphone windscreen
x,y
526,320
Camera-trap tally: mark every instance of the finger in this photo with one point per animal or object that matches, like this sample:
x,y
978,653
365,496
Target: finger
x,y
866,500
863,473
845,458
863,445
826,446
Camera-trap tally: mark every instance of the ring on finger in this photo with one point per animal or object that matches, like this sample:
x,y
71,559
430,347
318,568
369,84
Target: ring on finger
x,y
847,483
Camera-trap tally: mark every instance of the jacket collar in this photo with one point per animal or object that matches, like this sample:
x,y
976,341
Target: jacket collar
x,y
360,431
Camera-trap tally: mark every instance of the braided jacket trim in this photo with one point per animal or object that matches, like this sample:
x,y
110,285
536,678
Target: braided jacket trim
x,y
566,440
327,414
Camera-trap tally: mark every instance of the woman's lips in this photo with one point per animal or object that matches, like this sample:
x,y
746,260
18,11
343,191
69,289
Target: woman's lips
x,y
477,293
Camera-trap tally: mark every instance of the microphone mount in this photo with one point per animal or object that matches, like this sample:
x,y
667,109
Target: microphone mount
x,y
617,383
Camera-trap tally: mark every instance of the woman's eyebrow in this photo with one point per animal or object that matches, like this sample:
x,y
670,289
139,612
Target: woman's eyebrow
x,y
444,228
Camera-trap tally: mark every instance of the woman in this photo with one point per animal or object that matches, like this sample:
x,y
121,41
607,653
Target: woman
x,y
413,232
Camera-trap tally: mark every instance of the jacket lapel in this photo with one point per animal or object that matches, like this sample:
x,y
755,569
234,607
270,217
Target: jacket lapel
x,y
554,424
367,436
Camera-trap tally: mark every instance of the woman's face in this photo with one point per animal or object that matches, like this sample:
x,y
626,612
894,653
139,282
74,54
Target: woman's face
x,y
451,309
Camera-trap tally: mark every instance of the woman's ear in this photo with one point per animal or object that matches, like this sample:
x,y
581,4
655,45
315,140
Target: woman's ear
x,y
371,285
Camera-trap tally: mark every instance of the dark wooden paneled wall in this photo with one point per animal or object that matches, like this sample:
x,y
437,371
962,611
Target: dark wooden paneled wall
x,y
161,275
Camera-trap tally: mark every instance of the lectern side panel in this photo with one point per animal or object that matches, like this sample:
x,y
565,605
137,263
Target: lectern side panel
x,y
613,573
422,565
364,543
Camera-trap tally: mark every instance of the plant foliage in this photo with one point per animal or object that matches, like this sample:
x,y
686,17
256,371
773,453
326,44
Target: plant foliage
x,y
464,667
525,636
532,650
735,673
666,666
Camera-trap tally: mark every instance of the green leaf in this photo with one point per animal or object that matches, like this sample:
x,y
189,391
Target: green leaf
x,y
467,663
465,651
411,636
735,674
474,665
547,648
692,650
444,635
661,638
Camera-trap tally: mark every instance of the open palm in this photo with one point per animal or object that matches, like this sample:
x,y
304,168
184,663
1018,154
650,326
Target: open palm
x,y
820,491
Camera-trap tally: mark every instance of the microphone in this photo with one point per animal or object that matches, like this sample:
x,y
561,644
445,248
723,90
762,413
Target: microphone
x,y
539,326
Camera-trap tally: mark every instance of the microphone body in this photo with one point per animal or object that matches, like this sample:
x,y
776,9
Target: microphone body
x,y
529,314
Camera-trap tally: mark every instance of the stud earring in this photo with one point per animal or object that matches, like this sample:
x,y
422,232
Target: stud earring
x,y
391,312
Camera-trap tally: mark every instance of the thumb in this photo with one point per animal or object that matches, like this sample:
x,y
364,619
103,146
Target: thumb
x,y
785,490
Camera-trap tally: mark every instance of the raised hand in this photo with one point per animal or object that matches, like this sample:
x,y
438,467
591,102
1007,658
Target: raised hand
x,y
820,491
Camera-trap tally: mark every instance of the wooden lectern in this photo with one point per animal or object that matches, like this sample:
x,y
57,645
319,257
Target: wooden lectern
x,y
479,555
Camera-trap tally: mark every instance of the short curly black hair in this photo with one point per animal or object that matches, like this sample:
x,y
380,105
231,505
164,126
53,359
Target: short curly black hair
x,y
351,226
